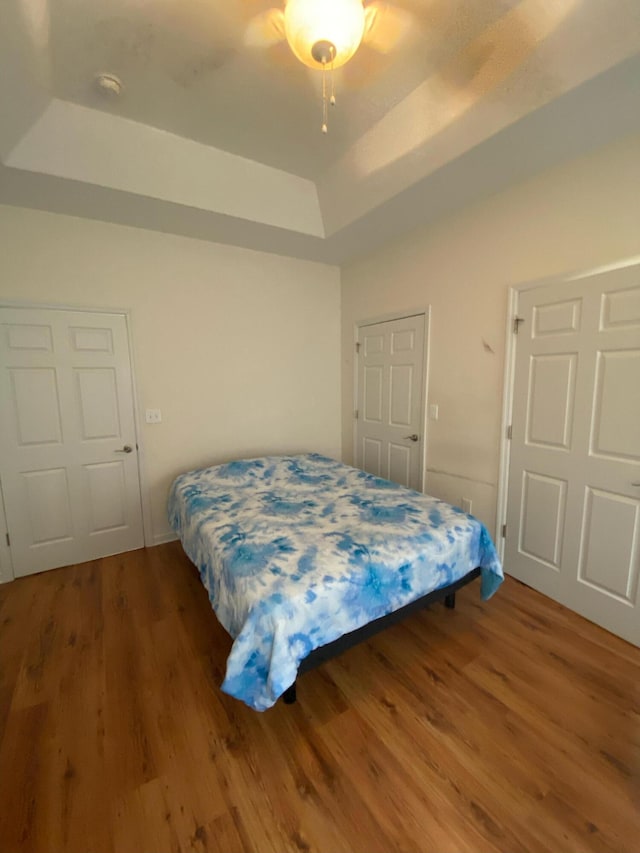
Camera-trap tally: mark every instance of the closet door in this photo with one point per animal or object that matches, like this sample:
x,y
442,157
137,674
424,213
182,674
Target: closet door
x,y
68,453
573,518
390,416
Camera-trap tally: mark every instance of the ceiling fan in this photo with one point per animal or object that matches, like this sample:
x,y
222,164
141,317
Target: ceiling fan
x,y
325,34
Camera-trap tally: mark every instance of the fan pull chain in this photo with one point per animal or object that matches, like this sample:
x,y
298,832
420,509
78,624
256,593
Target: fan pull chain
x,y
332,100
325,53
324,96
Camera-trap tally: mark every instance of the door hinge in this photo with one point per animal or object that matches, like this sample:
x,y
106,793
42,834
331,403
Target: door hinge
x,y
356,414
8,540
516,324
504,531
357,346
510,432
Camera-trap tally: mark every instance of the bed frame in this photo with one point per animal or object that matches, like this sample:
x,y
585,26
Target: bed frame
x,y
330,650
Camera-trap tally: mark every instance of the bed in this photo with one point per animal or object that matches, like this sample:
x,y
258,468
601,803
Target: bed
x,y
302,554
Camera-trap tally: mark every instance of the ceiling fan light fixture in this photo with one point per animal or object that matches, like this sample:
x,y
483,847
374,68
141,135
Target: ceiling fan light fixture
x,y
340,23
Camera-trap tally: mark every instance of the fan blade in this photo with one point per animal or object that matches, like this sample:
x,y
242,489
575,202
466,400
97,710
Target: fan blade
x,y
385,26
265,29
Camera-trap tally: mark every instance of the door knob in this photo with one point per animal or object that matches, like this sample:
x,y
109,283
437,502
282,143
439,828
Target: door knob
x,y
126,449
413,437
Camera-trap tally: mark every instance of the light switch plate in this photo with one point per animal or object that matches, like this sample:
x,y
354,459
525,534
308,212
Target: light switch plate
x,y
465,504
433,411
153,416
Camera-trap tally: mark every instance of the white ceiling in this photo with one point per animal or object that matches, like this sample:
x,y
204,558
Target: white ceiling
x,y
186,71
221,141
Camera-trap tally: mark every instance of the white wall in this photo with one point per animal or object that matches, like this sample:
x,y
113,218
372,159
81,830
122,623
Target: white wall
x,y
239,349
580,215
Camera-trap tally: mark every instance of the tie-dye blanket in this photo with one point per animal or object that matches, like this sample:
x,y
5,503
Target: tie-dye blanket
x,y
296,551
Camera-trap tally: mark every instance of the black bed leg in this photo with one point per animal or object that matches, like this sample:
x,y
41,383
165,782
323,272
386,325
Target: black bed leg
x,y
450,600
289,695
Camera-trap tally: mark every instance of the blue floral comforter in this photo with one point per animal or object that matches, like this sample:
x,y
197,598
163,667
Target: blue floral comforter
x,y
296,551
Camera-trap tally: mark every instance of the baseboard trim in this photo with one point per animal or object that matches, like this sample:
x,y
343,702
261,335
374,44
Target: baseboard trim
x,y
162,538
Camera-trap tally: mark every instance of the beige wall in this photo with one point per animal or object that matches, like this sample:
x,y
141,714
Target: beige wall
x,y
582,214
239,349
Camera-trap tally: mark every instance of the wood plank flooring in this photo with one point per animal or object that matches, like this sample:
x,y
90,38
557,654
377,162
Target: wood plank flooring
x,y
507,726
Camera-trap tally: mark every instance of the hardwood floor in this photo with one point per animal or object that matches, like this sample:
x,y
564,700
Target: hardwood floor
x,y
507,726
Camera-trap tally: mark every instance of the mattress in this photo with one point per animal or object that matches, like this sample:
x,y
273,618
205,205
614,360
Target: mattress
x,y
296,551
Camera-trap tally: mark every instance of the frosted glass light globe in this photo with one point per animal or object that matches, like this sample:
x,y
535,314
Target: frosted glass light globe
x,y
340,22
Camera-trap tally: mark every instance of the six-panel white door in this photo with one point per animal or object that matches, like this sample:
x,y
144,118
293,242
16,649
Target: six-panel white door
x,y
389,440
71,490
573,516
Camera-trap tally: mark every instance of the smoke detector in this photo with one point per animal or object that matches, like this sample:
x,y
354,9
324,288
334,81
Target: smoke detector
x,y
108,85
